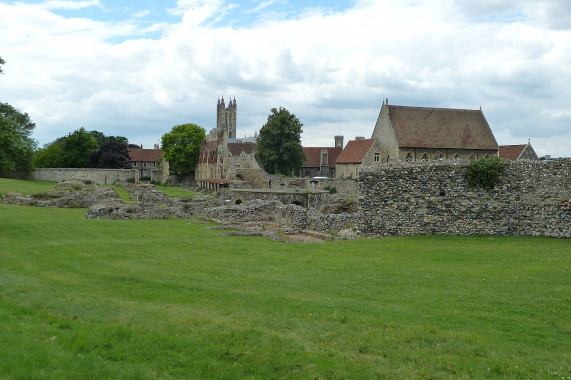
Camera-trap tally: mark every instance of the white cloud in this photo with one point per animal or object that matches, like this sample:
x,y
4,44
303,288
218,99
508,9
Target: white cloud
x,y
68,4
331,69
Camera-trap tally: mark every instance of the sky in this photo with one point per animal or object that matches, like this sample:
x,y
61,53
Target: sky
x,y
136,68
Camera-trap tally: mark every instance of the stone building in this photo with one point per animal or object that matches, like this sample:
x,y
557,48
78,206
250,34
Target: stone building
x,y
222,156
357,154
423,133
320,161
145,160
518,152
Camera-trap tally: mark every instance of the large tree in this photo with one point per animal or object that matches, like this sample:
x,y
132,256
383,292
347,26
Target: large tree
x,y
71,151
50,156
278,147
181,147
112,154
16,145
101,138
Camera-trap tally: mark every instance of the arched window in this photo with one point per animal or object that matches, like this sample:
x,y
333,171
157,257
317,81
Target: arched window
x,y
424,156
456,157
487,156
408,157
471,157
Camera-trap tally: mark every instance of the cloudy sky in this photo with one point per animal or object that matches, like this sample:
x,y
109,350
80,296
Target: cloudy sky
x,y
135,68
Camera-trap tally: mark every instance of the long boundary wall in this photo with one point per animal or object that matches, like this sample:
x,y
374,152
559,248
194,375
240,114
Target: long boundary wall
x,y
99,176
532,198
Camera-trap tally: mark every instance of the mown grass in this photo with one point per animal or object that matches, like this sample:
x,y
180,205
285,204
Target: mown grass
x,y
170,299
177,192
174,192
25,187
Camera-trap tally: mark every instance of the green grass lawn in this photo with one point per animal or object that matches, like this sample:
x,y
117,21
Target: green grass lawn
x,y
145,299
25,187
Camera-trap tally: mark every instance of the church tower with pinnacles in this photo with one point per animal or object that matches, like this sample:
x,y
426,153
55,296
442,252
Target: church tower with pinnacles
x,y
226,117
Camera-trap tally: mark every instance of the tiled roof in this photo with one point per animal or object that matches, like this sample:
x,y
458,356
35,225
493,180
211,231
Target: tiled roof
x,y
355,151
511,152
144,155
313,156
422,127
237,148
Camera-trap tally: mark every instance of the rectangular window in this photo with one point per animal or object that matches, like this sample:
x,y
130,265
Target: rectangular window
x,y
144,164
377,157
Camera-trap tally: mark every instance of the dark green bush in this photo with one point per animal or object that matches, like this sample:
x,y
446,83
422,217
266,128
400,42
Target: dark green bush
x,y
485,172
331,189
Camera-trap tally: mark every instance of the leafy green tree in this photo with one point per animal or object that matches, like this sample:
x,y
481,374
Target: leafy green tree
x,y
16,145
181,147
112,154
101,138
50,156
71,151
278,147
77,147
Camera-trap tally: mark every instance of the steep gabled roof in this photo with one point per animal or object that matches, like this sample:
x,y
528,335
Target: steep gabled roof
x,y
355,151
144,155
237,148
313,156
423,127
511,152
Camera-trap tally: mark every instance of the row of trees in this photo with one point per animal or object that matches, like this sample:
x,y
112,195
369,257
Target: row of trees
x,y
83,149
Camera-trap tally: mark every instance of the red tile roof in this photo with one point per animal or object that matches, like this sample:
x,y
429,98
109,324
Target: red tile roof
x,y
355,151
313,156
511,152
423,127
145,155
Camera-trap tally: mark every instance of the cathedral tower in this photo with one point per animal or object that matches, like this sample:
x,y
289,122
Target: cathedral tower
x,y
226,117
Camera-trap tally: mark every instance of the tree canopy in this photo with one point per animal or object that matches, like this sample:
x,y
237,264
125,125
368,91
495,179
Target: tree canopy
x,y
112,154
278,147
102,139
181,147
71,151
16,145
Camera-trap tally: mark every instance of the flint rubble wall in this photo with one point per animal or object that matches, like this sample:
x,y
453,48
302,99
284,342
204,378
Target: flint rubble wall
x,y
98,176
531,198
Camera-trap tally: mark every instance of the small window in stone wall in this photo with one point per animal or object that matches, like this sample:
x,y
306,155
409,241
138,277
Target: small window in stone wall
x,y
144,164
487,156
456,157
424,156
377,157
408,157
471,157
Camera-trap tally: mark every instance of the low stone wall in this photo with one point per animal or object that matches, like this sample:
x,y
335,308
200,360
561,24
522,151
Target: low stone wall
x,y
98,176
293,216
532,198
343,186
